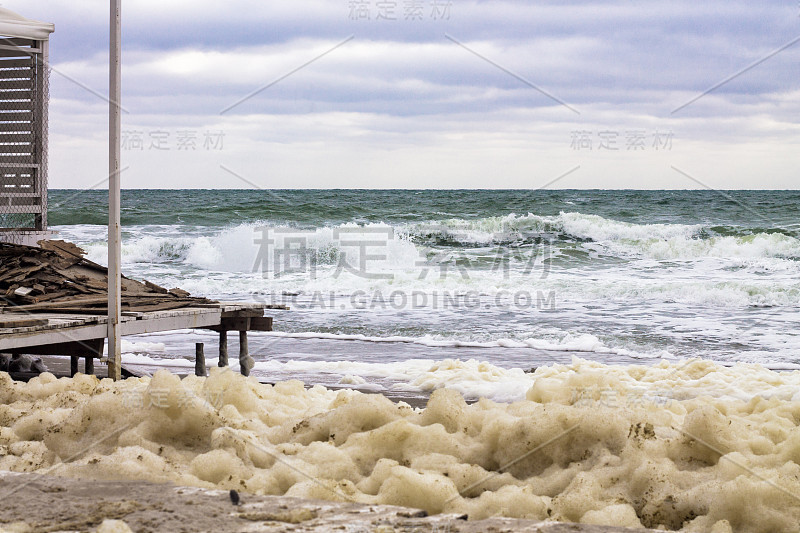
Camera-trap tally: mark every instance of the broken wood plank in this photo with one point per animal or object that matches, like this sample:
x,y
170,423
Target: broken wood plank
x,y
62,248
57,278
22,322
154,287
161,307
180,293
51,305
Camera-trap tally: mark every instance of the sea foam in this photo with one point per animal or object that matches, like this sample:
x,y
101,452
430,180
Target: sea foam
x,y
589,443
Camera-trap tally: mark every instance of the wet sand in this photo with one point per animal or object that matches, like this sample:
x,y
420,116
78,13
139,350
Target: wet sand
x,y
38,503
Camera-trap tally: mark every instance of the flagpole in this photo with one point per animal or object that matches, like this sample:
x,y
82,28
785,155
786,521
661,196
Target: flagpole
x,y
114,237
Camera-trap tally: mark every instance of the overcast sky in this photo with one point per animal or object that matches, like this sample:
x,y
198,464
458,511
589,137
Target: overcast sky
x,y
429,94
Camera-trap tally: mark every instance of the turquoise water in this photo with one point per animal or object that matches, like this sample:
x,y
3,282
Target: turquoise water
x,y
613,275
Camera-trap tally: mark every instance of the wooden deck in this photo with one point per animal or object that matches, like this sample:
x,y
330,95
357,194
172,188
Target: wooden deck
x,y
83,335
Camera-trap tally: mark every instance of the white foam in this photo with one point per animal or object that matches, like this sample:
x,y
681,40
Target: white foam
x,y
480,379
131,348
568,343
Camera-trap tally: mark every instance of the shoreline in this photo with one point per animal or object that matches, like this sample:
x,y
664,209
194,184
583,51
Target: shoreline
x,y
39,503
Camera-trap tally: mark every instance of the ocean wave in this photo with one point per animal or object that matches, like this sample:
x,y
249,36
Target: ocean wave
x,y
253,247
657,241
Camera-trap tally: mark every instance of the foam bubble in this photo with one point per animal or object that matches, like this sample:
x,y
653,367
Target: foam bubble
x,y
697,462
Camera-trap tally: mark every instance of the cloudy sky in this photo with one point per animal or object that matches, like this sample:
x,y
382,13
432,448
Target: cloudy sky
x,y
429,94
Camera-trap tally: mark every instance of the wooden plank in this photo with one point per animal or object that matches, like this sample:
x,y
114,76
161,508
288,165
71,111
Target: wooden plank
x,y
180,313
199,360
63,248
50,296
223,349
85,348
93,300
78,328
183,319
246,362
159,307
243,313
179,293
74,310
52,336
263,323
240,323
21,322
155,288
20,273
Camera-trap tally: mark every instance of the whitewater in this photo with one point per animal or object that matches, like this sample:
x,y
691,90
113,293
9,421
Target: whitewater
x,y
384,284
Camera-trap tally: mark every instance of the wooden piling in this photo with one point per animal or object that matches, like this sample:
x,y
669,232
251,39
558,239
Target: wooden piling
x,y
245,361
88,364
73,366
223,348
199,360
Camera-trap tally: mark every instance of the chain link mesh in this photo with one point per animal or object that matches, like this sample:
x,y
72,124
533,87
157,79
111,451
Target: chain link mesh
x,y
24,93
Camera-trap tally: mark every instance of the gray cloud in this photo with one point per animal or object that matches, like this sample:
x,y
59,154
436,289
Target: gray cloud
x,y
402,84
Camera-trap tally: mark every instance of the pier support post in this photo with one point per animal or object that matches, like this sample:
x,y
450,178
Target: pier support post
x,y
199,360
73,365
245,361
223,349
88,365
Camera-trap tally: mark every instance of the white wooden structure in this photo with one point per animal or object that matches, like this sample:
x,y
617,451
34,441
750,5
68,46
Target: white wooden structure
x,y
79,335
24,85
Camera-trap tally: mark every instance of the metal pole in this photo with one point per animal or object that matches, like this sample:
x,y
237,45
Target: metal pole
x,y
114,250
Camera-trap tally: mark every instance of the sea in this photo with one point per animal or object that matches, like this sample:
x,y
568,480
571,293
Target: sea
x,y
411,290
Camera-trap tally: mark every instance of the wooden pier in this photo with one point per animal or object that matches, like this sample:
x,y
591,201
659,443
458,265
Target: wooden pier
x,y
83,335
